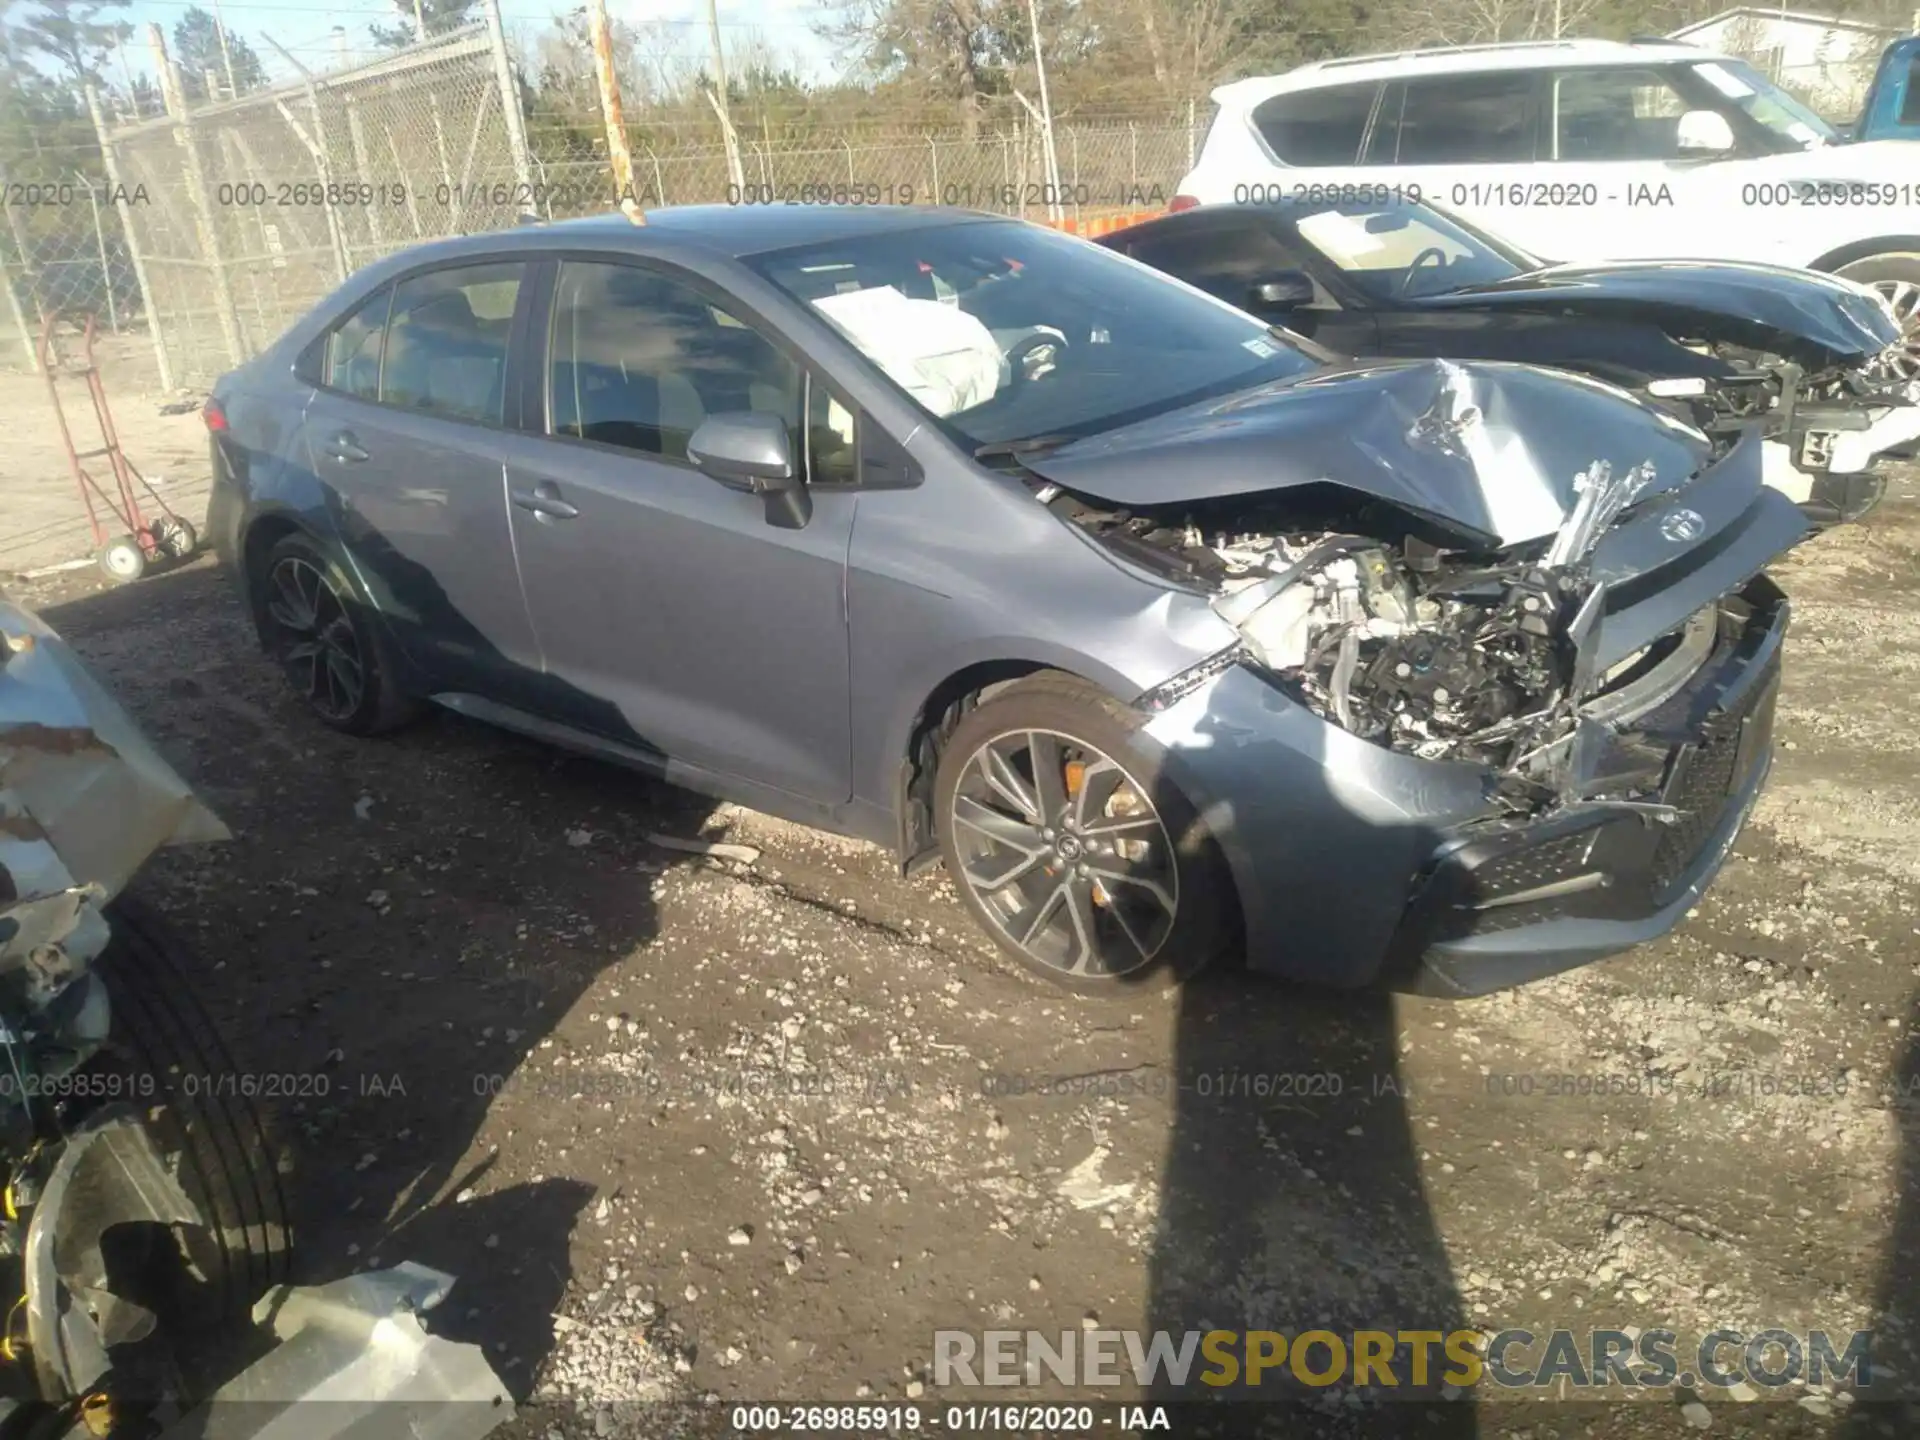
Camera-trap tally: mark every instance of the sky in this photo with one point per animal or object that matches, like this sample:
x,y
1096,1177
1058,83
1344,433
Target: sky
x,y
306,30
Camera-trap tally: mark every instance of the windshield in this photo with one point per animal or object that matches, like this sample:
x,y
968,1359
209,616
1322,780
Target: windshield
x,y
1006,331
1402,252
1766,104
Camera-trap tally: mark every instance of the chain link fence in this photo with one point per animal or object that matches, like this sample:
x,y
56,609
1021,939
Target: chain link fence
x,y
1103,169
63,251
215,226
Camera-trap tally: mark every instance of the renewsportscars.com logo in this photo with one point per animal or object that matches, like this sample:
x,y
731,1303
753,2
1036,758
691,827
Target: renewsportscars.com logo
x,y
1413,1359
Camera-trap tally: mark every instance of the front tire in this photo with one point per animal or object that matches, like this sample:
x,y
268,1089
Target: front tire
x,y
1071,846
312,622
1897,279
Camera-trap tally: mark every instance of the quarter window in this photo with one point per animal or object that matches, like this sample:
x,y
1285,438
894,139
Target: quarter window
x,y
446,347
1457,120
353,349
1316,127
833,441
639,359
1616,115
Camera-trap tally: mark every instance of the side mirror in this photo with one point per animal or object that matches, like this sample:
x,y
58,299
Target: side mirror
x,y
1703,131
748,450
1283,291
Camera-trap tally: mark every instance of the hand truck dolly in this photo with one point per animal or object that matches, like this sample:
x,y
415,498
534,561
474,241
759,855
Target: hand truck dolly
x,y
125,541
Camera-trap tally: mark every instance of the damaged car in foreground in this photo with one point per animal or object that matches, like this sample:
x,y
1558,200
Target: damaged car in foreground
x,y
1822,364
142,1221
1173,638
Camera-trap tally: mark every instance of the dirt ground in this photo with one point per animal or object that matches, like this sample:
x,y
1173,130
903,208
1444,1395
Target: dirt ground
x,y
687,1127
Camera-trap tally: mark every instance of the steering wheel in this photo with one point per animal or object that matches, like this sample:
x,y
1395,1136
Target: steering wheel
x,y
1036,355
1433,254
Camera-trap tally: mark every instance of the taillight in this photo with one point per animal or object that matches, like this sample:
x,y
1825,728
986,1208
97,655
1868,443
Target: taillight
x,y
1183,202
215,417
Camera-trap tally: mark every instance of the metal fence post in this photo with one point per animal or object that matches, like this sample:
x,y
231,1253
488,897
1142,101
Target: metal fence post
x,y
135,250
316,147
27,268
357,138
509,97
27,342
100,246
934,150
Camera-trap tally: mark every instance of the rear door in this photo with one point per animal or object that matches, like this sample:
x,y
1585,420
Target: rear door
x,y
405,434
673,614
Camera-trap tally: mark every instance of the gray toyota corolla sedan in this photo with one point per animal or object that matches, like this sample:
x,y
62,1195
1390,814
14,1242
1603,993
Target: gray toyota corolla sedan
x,y
1174,636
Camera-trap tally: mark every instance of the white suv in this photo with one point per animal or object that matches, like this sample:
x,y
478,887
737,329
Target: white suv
x,y
1580,150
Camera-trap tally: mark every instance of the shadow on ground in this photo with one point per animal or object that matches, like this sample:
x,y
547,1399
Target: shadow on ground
x,y
1896,1312
395,928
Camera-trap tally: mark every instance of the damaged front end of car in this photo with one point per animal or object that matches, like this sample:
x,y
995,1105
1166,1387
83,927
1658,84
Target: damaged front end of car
x,y
1830,416
141,1215
1551,686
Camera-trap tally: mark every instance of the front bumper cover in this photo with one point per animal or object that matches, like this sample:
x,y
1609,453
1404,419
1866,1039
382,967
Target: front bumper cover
x,y
1506,904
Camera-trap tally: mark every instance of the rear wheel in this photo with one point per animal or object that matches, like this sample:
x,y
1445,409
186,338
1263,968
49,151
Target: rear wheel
x,y
1072,847
1897,279
312,622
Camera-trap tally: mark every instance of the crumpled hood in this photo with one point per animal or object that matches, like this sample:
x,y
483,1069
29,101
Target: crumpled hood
x,y
1489,449
1746,304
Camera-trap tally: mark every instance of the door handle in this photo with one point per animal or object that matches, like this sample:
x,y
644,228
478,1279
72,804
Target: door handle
x,y
545,502
344,448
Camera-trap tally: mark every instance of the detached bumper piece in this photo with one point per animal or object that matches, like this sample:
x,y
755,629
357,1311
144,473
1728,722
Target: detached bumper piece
x,y
1504,906
1840,447
354,1363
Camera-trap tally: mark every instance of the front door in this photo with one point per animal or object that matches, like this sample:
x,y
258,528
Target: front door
x,y
668,608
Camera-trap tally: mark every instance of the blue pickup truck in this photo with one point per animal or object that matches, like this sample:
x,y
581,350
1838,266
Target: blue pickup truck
x,y
1892,108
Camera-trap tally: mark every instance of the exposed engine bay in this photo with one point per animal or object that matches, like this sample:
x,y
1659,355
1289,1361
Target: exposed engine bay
x,y
1442,653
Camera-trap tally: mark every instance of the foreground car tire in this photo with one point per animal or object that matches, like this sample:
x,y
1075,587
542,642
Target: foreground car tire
x,y
312,623
1897,278
1071,847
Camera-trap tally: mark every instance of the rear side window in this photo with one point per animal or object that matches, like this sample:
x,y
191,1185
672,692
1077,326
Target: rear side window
x,y
1457,119
352,363
446,349
1316,127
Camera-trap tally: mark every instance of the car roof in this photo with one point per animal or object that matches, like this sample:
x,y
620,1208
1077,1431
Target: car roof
x,y
732,230
1458,60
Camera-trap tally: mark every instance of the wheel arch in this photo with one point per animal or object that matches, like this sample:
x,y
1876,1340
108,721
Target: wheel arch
x,y
1847,254
261,534
918,756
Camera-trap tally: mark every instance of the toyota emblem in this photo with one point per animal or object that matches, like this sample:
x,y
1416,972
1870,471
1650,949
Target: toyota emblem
x,y
1680,526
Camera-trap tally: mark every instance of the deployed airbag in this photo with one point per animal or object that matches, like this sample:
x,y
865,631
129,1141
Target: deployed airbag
x,y
943,357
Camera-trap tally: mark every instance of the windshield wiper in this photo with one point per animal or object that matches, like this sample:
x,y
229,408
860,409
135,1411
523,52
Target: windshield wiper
x,y
1014,449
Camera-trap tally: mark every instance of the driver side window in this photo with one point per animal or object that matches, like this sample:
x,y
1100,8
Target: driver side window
x,y
1616,115
638,359
1226,262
